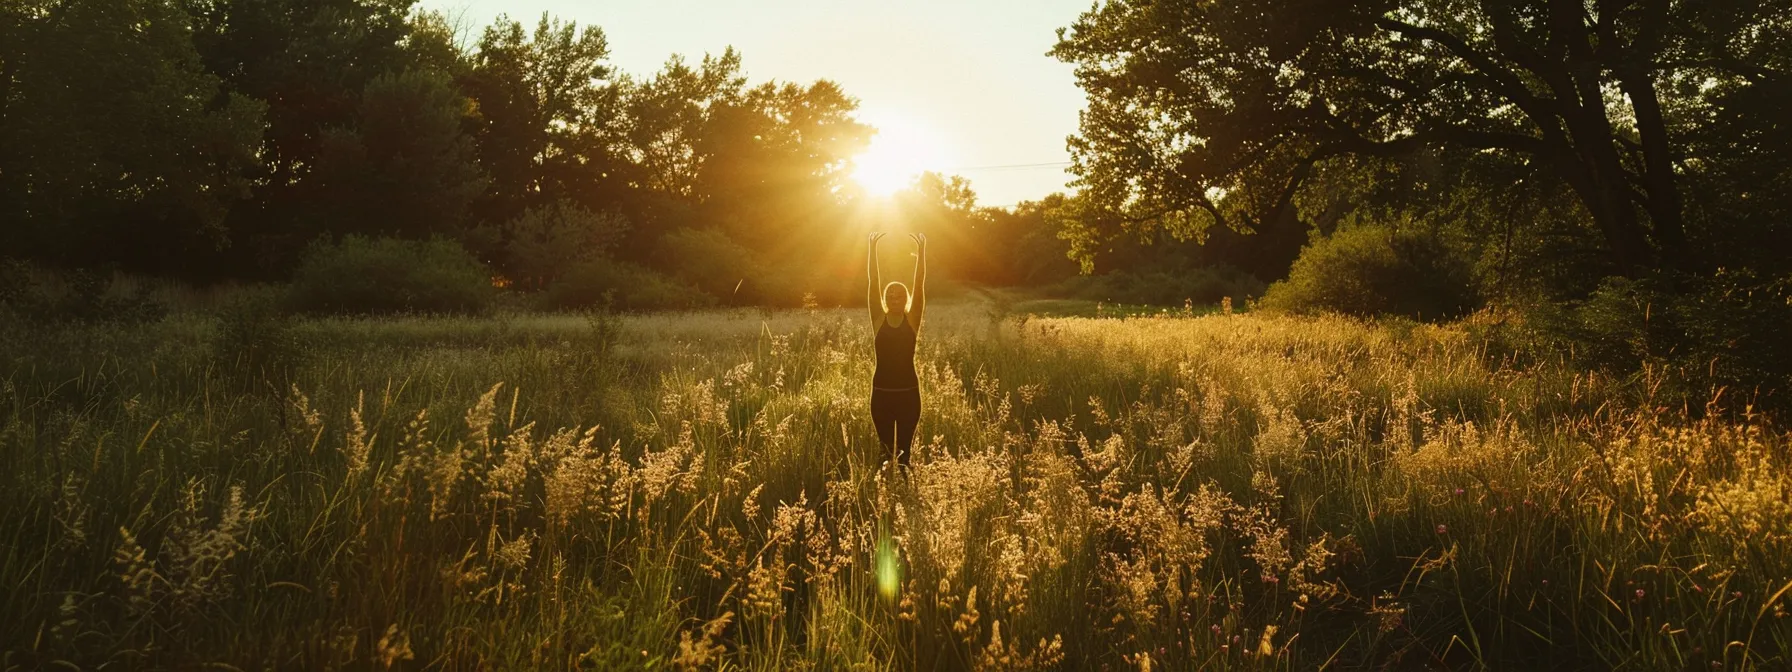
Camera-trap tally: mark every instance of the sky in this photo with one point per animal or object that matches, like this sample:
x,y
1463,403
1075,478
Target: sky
x,y
965,86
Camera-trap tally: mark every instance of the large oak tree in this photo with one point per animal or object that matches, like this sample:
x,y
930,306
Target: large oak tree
x,y
1204,112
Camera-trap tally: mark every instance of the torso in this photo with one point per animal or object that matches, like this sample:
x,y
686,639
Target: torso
x,y
895,357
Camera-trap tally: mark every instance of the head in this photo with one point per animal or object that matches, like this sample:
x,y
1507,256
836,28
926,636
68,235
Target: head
x,y
896,298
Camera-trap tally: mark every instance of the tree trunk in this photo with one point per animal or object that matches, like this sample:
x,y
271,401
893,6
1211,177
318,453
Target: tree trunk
x,y
1582,100
1658,177
1636,77
1602,192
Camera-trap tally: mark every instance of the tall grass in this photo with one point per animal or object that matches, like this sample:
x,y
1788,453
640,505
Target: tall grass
x,y
703,491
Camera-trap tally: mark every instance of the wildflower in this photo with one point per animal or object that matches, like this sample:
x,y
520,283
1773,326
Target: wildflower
x,y
514,554
69,618
395,646
968,619
705,650
749,507
766,585
505,481
1442,529
357,448
309,420
1459,492
136,571
1215,628
1639,593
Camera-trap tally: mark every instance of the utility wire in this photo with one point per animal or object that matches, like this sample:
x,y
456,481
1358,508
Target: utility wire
x,y
1012,166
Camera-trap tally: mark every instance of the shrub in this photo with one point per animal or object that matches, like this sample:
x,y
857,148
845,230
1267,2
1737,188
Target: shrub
x,y
256,339
1377,270
84,295
621,285
374,275
1687,342
714,263
1202,285
547,242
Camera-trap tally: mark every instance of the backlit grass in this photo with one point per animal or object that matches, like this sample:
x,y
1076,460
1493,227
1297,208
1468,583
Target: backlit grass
x,y
703,491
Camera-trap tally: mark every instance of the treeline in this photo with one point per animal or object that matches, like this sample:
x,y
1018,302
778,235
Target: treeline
x,y
1613,176
364,144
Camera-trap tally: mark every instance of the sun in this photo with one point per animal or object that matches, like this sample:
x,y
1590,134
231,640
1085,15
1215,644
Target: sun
x,y
900,151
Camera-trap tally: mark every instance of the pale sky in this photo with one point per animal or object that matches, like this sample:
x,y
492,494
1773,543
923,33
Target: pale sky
x,y
969,78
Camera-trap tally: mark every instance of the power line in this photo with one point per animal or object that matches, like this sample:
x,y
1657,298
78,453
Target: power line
x,y
1012,166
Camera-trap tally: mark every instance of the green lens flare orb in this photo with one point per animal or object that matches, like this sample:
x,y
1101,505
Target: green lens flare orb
x,y
888,567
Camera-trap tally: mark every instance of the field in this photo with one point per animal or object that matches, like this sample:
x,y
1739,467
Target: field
x,y
702,491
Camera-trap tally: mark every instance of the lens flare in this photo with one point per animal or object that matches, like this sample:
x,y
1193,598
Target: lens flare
x,y
888,566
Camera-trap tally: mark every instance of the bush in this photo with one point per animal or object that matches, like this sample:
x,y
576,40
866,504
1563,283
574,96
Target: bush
x,y
1202,285
623,286
546,242
1376,270
1687,342
257,341
375,275
40,293
714,263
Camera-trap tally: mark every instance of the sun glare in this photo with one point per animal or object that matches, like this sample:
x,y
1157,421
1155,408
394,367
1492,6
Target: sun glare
x,y
899,152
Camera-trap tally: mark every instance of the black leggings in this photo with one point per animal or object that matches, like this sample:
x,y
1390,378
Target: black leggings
x,y
895,415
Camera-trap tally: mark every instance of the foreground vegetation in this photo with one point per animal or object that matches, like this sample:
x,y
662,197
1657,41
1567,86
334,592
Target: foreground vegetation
x,y
701,491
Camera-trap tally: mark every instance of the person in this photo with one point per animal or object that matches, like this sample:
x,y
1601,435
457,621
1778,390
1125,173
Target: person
x,y
896,321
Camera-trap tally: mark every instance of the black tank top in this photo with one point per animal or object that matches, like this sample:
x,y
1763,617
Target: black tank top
x,y
895,358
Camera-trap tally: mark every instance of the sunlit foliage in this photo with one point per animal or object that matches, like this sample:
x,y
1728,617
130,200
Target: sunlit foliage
x,y
702,491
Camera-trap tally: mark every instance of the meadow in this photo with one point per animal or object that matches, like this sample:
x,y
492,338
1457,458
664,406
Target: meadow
x,y
240,490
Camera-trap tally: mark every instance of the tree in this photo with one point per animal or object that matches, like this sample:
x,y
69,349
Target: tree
x,y
774,160
438,43
545,110
1223,113
406,168
762,166
546,242
665,118
1026,243
311,62
115,145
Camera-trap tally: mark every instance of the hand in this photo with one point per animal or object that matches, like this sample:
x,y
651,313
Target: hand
x,y
920,241
876,237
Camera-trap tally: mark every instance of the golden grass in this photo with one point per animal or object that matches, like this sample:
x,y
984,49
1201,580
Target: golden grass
x,y
703,491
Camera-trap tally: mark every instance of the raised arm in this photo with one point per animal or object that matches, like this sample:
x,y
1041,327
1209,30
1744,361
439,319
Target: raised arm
x,y
920,300
873,282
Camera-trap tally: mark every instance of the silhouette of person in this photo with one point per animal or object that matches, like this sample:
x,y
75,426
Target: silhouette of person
x,y
896,321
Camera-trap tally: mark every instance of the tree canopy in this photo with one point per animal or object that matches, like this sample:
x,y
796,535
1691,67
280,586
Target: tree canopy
x,y
215,139
1236,114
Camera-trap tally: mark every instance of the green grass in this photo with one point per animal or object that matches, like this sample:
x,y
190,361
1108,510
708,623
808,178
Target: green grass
x,y
1104,309
703,490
